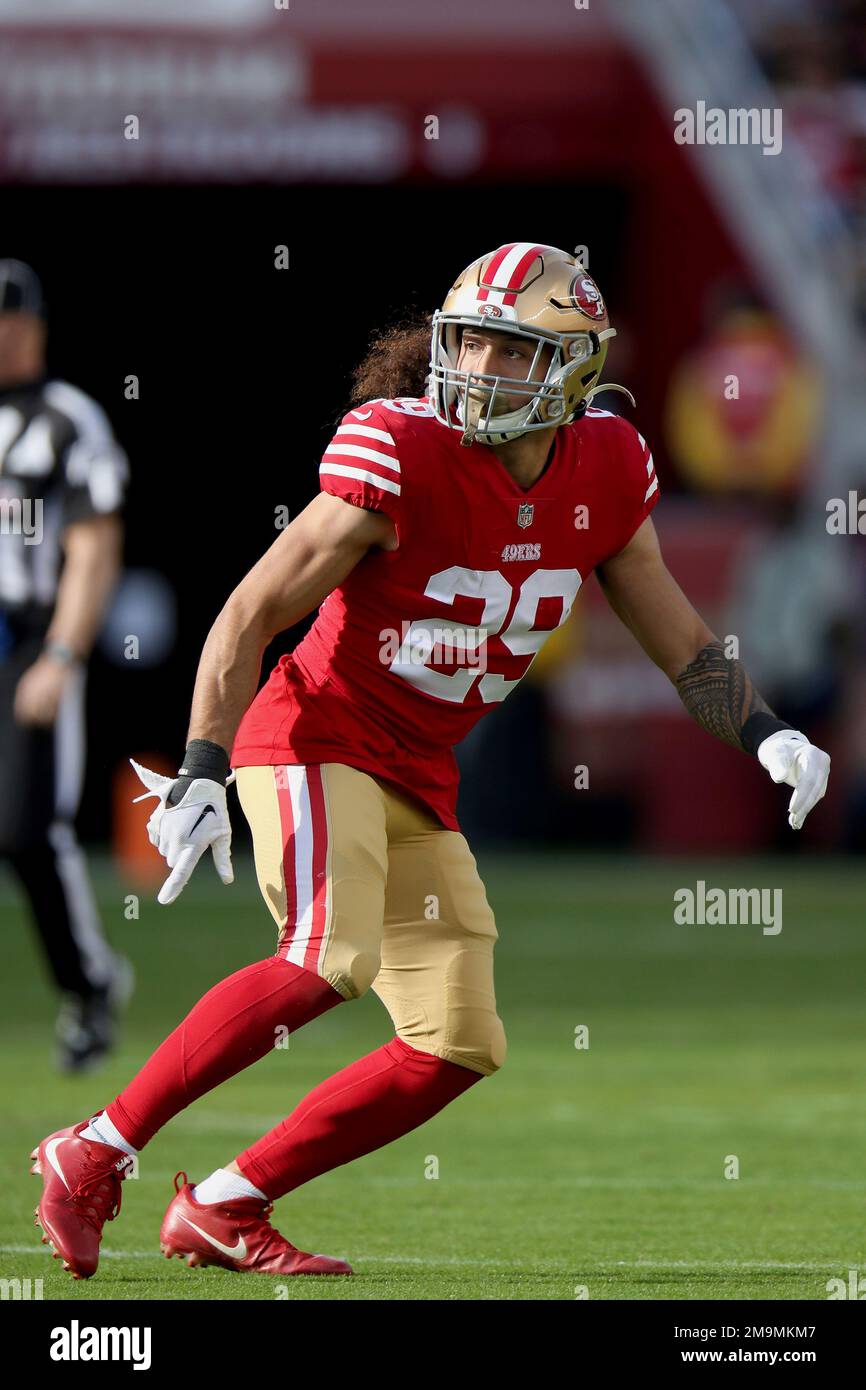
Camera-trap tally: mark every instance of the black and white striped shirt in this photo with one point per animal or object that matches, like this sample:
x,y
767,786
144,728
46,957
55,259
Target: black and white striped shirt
x,y
59,463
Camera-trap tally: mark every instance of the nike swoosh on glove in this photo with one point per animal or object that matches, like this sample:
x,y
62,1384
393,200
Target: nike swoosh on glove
x,y
182,833
789,757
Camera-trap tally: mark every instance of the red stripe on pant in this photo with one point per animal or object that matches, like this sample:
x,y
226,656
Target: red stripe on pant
x,y
287,832
317,832
320,859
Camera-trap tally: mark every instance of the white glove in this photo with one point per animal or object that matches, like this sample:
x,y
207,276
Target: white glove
x,y
183,832
789,757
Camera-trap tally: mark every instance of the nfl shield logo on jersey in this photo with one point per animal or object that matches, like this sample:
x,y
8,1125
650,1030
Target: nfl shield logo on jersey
x,y
524,513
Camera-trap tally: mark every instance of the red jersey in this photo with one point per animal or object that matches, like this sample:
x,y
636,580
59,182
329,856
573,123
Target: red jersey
x,y
416,644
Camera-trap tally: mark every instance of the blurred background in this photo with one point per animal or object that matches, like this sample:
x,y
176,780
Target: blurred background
x,y
308,127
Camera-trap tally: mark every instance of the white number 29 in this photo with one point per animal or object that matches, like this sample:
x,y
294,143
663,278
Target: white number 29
x,y
518,637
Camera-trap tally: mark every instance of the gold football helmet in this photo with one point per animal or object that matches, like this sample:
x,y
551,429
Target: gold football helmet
x,y
529,291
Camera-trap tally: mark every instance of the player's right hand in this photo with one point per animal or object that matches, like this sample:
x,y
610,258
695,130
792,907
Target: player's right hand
x,y
182,833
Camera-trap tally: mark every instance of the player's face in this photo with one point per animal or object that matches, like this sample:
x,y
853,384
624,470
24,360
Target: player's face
x,y
500,354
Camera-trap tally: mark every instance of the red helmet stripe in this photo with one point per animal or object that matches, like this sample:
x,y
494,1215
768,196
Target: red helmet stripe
x,y
516,279
517,262
496,262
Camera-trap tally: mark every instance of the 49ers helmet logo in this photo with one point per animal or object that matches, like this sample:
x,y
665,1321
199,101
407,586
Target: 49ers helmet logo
x,y
587,296
490,311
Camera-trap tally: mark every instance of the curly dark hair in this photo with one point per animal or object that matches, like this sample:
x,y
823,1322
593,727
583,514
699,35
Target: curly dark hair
x,y
397,362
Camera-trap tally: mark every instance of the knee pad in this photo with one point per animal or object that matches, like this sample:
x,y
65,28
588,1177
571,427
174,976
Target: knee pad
x,y
473,1038
481,1045
353,975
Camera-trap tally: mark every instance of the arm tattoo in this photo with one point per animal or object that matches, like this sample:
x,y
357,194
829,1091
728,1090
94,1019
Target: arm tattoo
x,y
718,693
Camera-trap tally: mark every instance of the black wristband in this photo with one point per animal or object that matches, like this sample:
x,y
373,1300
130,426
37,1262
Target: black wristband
x,y
758,727
205,759
201,759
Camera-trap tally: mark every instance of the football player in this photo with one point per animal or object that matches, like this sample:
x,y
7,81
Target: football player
x,y
450,538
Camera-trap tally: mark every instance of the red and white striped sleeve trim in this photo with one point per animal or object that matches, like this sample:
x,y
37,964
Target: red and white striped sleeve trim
x,y
365,453
652,477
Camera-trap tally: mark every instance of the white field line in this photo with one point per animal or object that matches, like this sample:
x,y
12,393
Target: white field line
x,y
457,1262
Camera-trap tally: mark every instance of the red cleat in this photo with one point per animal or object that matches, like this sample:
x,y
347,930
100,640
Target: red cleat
x,y
81,1191
234,1235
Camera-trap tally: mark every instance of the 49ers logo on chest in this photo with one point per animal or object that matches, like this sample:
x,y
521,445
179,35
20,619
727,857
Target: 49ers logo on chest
x,y
525,513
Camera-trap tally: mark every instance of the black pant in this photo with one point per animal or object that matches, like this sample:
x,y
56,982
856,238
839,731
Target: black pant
x,y
41,772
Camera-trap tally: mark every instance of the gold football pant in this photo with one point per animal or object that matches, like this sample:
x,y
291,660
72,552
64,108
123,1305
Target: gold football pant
x,y
369,890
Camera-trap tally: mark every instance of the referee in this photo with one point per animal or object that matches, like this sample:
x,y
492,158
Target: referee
x,y
62,478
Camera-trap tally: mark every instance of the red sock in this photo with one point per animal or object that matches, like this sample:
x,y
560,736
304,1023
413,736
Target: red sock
x,y
231,1026
370,1103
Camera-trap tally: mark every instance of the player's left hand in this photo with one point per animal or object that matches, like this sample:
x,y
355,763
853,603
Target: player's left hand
x,y
789,757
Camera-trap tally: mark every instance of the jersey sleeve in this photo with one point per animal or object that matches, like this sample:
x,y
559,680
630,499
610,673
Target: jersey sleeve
x,y
362,464
95,467
637,484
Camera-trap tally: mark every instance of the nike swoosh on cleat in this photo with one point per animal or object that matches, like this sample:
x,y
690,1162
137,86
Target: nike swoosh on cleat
x,y
234,1252
202,816
50,1153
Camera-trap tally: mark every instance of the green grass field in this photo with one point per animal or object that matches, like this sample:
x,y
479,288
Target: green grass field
x,y
602,1167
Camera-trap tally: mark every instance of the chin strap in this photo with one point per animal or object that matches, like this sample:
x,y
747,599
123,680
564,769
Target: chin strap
x,y
472,410
595,391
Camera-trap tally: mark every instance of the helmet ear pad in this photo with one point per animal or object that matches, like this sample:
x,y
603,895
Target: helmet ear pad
x,y
576,380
